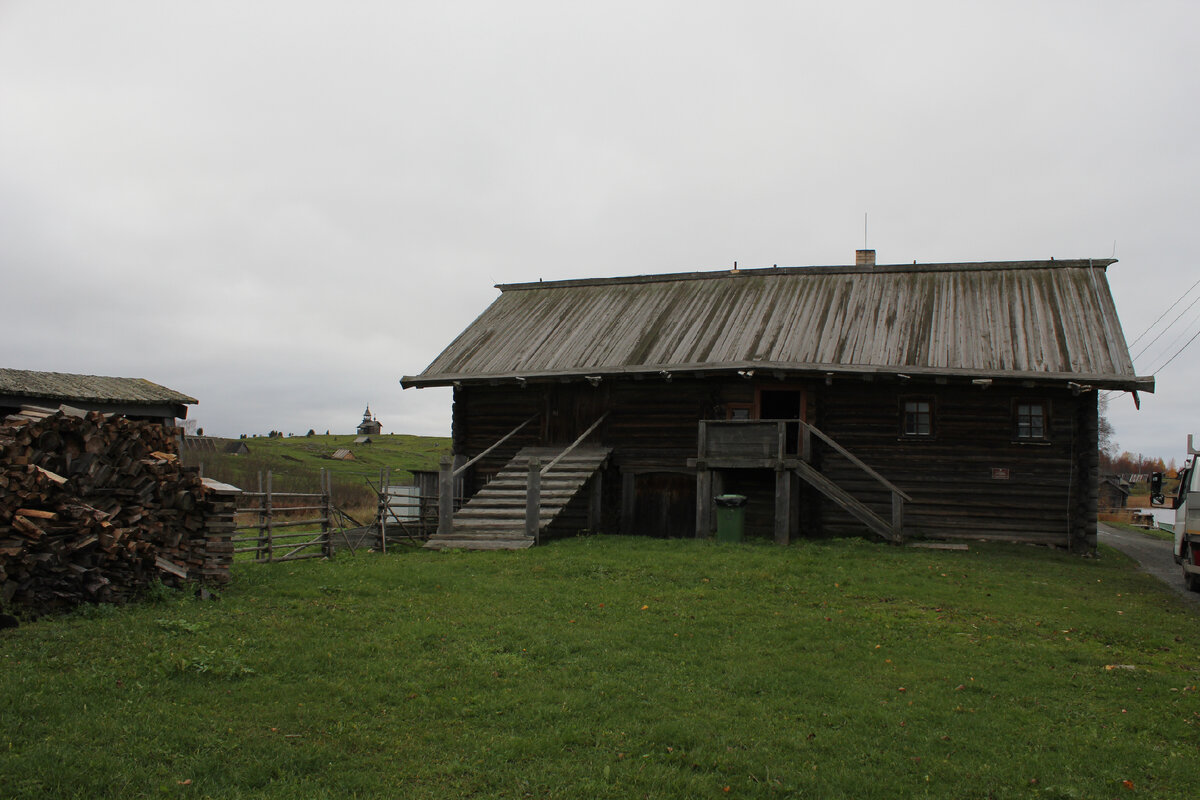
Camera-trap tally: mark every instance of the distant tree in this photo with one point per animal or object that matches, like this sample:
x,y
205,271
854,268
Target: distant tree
x,y
1104,433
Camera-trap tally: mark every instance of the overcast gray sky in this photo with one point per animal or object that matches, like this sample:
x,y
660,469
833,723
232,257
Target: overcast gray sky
x,y
282,207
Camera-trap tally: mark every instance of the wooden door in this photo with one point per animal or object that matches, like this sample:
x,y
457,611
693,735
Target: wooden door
x,y
571,409
664,505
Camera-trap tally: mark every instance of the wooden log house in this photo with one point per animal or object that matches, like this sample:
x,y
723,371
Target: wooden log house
x,y
944,401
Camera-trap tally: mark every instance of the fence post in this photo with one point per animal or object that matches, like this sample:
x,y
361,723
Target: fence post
x,y
270,533
262,520
326,513
446,497
385,506
533,499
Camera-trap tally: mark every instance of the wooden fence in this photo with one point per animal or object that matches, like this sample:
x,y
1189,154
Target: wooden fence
x,y
288,526
262,515
405,514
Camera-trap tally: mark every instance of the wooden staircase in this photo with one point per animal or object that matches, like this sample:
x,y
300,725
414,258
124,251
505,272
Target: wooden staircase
x,y
846,502
494,519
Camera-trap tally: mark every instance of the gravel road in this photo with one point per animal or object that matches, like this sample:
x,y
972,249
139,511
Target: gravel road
x,y
1153,556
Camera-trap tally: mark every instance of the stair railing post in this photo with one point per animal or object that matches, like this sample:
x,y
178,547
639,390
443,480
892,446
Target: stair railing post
x,y
533,500
446,497
898,516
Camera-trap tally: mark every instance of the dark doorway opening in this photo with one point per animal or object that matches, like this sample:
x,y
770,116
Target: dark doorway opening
x,y
664,505
784,404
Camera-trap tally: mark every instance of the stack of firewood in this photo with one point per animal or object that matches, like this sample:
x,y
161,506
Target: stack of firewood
x,y
95,508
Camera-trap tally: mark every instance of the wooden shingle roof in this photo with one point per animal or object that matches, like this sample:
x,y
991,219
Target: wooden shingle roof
x,y
92,388
1027,319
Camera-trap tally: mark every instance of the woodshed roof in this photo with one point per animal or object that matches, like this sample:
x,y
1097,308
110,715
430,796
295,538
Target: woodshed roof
x,y
1022,319
91,388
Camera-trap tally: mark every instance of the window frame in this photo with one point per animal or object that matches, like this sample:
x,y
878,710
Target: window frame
x,y
1017,405
733,410
930,411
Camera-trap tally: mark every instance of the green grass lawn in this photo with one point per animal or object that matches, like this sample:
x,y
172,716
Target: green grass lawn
x,y
621,667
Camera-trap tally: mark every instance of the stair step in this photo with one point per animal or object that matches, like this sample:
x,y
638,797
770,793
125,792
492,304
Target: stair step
x,y
495,517
460,543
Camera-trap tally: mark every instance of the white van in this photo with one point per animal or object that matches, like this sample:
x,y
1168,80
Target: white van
x,y
1187,521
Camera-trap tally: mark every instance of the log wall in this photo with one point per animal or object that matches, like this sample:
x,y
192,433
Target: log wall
x,y
969,479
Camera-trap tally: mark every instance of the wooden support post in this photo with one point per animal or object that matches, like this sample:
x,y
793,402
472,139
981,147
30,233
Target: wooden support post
x,y
628,496
267,511
898,516
783,505
704,495
595,499
533,499
446,497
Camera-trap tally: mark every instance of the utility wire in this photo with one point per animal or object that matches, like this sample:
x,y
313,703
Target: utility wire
x,y
1189,326
1155,370
1185,347
1171,325
1108,393
1159,318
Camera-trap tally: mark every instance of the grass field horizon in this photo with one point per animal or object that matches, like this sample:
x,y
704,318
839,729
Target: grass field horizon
x,y
295,463
613,667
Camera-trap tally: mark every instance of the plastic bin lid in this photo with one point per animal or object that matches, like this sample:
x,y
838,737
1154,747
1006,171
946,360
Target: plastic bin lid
x,y
730,500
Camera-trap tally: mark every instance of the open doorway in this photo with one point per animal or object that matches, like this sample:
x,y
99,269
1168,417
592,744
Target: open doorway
x,y
783,404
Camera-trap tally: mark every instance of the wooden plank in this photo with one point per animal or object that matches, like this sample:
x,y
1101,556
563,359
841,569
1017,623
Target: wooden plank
x,y
783,506
533,499
704,495
446,497
595,501
937,545
168,566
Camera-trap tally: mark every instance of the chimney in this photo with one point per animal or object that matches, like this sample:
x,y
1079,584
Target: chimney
x,y
864,258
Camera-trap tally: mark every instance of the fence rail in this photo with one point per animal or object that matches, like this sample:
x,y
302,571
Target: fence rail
x,y
272,511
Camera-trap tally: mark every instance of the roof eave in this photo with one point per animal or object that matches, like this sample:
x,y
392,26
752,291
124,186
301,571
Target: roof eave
x,y
1127,383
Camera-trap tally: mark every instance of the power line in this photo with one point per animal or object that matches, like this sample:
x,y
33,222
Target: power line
x,y
1180,335
1171,325
1160,367
1158,319
1185,347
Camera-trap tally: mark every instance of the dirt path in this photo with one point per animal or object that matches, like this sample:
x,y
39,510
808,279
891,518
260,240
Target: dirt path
x,y
1153,556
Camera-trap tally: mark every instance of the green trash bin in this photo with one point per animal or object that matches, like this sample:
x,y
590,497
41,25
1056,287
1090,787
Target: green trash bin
x,y
731,517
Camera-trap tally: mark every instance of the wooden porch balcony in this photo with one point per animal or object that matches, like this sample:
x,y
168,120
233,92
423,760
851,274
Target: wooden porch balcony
x,y
784,445
748,444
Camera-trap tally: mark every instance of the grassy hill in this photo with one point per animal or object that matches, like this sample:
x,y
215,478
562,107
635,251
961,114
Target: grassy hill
x,y
296,463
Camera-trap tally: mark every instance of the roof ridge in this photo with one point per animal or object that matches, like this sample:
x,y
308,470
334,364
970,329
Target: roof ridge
x,y
962,266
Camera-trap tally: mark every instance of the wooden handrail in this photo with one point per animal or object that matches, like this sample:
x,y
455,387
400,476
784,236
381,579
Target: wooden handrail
x,y
498,442
855,461
575,443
